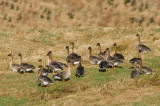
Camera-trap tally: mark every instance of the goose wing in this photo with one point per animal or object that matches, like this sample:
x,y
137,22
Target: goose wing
x,y
59,75
61,64
74,55
118,56
114,61
27,66
146,70
96,60
55,66
142,48
43,79
73,59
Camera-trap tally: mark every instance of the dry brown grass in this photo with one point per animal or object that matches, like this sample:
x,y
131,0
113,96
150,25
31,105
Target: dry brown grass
x,y
118,89
61,13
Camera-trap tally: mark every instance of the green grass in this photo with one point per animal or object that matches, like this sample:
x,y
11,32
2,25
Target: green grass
x,y
114,87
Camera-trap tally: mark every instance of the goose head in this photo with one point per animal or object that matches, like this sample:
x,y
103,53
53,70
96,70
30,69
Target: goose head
x,y
89,48
67,47
10,55
107,49
49,53
40,60
20,55
137,35
115,44
98,44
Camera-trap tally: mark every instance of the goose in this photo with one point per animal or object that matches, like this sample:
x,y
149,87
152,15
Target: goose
x,y
44,70
13,66
73,53
70,58
94,59
104,64
25,67
135,60
145,69
53,65
100,54
112,61
51,59
64,75
117,55
44,80
134,73
80,69
141,47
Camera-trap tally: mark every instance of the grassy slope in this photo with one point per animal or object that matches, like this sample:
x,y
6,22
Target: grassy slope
x,y
113,88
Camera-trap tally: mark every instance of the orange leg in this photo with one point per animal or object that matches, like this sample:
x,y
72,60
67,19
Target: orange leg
x,y
106,70
63,81
41,85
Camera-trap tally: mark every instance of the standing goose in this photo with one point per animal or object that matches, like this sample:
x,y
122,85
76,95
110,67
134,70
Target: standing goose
x,y
141,47
118,55
134,73
80,69
70,58
25,66
112,61
104,64
145,69
44,70
100,54
53,65
43,79
94,59
64,75
73,53
13,66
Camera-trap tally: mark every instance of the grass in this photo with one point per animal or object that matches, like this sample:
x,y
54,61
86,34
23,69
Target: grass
x,y
95,88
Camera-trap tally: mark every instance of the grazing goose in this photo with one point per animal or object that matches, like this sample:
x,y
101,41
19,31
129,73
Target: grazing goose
x,y
64,75
70,58
80,69
13,66
53,65
145,69
100,54
112,61
25,67
73,53
104,64
44,70
118,55
134,73
135,60
94,59
44,80
141,47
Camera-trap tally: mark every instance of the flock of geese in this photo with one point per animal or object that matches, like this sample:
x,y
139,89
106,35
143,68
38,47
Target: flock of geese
x,y
103,59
